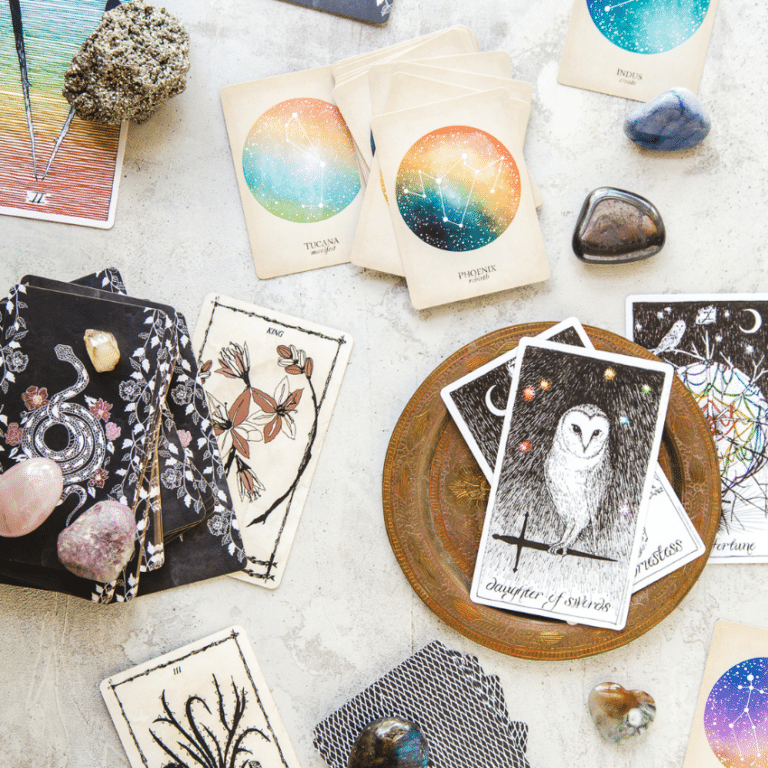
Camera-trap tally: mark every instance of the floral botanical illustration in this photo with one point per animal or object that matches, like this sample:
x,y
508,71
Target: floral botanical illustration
x,y
258,416
203,738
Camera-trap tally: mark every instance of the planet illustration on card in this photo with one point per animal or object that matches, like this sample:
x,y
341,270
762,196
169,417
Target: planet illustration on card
x,y
299,161
648,26
736,715
458,188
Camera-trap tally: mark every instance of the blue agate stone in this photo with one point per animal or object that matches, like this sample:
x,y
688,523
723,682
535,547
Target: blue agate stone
x,y
674,120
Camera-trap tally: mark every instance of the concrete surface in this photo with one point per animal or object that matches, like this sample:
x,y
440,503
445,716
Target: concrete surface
x,y
345,613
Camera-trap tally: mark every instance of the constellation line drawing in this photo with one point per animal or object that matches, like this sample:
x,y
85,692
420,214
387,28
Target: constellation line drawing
x,y
439,182
312,155
753,726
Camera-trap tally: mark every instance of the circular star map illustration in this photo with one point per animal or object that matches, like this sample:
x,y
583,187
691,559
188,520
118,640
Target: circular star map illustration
x,y
736,715
299,161
458,188
648,26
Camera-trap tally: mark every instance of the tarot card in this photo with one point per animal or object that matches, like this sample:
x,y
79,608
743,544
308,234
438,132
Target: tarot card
x,y
730,726
53,165
457,183
669,539
296,171
207,703
459,709
717,344
372,11
571,483
478,401
636,49
272,384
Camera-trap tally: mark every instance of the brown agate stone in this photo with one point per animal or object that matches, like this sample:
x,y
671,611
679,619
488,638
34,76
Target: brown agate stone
x,y
618,713
616,226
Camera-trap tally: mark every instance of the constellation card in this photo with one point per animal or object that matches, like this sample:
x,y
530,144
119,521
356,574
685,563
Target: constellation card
x,y
296,171
636,49
272,382
204,704
717,344
457,184
730,726
53,165
372,11
570,489
403,85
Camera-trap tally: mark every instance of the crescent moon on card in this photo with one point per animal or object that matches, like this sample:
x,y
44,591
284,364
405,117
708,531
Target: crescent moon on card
x,y
491,407
758,322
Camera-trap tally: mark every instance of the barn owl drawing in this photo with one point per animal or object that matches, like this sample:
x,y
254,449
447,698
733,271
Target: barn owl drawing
x,y
577,470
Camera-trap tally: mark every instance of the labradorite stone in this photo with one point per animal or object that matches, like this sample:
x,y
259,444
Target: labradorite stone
x,y
389,743
674,120
616,226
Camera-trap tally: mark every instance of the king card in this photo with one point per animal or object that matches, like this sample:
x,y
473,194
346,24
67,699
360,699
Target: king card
x,y
571,483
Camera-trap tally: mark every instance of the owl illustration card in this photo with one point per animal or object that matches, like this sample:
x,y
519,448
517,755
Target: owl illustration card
x,y
717,344
461,204
296,170
571,484
730,725
271,381
637,49
207,703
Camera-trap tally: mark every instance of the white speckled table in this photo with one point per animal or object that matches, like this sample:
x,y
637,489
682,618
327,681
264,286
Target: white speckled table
x,y
345,613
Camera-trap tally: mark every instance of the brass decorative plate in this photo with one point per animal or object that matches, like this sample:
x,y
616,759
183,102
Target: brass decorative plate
x,y
435,496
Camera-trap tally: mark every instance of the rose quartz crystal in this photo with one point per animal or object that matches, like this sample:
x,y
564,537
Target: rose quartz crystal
x,y
99,544
29,492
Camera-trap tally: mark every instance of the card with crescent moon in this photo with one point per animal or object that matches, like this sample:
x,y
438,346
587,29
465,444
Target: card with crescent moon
x,y
669,539
636,49
571,484
717,344
272,381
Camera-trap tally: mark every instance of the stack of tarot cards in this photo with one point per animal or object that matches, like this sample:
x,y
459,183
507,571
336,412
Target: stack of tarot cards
x,y
580,515
459,709
204,704
272,381
140,434
439,129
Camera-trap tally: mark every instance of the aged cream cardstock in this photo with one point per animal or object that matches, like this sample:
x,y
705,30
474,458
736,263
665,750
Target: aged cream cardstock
x,y
296,171
449,169
636,49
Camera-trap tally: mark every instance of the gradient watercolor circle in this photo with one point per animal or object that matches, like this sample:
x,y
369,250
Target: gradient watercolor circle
x,y
299,161
648,26
736,715
458,188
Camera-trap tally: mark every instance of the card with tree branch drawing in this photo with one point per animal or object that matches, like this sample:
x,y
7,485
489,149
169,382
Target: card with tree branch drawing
x,y
206,704
272,381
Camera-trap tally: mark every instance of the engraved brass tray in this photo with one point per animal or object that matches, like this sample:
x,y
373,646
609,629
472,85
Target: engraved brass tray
x,y
435,497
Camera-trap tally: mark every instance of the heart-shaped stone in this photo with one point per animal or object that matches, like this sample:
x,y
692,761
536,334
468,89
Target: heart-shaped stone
x,y
616,226
674,120
619,713
389,743
29,491
99,544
